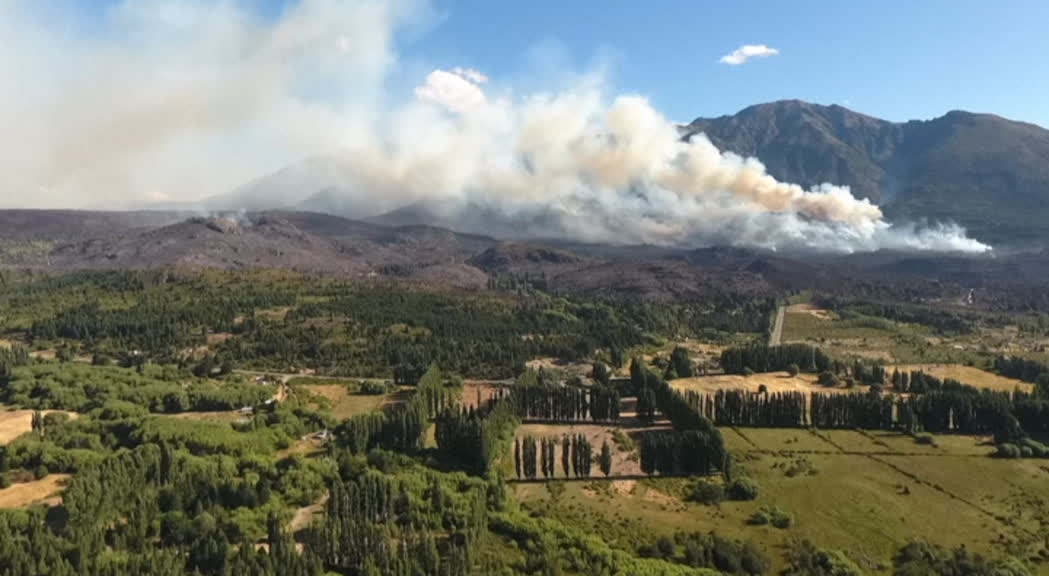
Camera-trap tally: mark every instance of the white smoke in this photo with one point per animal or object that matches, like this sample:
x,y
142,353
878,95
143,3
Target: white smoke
x,y
179,101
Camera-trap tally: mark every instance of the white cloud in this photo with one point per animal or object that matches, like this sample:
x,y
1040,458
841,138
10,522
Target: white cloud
x,y
746,52
458,90
471,74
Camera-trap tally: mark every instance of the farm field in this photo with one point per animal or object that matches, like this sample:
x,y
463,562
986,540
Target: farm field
x,y
866,505
968,375
343,403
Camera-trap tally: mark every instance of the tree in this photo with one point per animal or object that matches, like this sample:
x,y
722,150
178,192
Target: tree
x,y
517,456
681,363
601,373
606,459
566,455
793,370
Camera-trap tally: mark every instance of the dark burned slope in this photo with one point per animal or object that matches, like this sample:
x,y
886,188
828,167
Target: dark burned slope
x,y
75,225
210,243
439,257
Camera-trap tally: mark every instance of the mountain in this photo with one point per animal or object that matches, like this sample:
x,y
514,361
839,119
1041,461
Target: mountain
x,y
987,173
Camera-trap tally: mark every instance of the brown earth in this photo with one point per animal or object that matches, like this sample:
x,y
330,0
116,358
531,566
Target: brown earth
x,y
28,493
17,422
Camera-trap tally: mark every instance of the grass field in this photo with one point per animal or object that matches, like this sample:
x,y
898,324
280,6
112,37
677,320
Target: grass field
x,y
865,502
27,493
876,338
343,404
968,375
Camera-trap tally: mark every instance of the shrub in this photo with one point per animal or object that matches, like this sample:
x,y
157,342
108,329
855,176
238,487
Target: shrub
x,y
1038,450
781,519
665,547
5,482
793,369
771,515
925,439
760,517
41,472
747,371
828,380
1007,450
373,387
708,493
743,489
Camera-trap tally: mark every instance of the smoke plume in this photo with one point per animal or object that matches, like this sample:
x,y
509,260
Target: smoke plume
x,y
177,102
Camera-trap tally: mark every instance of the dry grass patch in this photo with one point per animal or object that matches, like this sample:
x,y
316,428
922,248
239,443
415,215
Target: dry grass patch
x,y
17,422
811,310
28,493
968,375
773,381
304,516
343,404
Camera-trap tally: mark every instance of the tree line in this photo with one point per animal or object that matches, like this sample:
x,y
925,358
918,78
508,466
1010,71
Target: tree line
x,y
576,457
693,446
960,409
548,401
763,358
402,426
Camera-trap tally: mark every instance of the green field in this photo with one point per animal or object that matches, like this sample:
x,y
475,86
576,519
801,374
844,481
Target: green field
x,y
867,505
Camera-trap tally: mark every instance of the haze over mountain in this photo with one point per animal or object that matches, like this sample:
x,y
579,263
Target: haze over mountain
x,y
983,172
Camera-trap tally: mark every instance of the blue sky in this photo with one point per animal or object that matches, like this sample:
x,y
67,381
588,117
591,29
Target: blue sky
x,y
896,59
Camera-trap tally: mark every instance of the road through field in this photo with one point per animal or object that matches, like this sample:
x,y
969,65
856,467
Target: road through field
x,y
777,327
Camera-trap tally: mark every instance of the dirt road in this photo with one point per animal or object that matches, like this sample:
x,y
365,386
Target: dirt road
x,y
777,327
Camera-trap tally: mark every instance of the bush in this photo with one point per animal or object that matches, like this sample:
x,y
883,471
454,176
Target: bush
x,y
771,515
41,472
760,517
1038,450
708,493
1007,450
828,380
925,439
5,482
806,559
743,489
781,519
665,547
747,371
373,387
793,369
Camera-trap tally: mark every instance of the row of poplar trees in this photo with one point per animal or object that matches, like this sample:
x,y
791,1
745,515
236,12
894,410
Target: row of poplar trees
x,y
576,457
692,447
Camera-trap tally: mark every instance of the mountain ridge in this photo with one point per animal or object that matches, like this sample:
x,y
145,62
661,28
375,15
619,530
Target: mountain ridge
x,y
981,170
